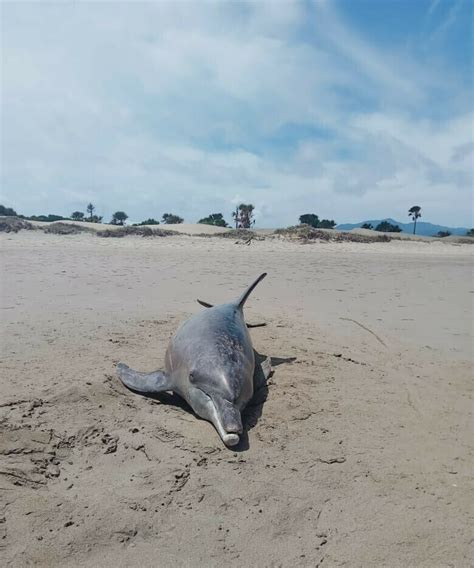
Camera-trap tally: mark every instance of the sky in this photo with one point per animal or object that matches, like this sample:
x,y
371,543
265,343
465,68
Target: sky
x,y
350,109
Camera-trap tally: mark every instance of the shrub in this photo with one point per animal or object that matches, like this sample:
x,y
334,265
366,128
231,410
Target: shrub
x,y
13,225
66,229
309,219
7,211
216,219
47,218
147,222
386,227
119,218
326,224
140,231
170,219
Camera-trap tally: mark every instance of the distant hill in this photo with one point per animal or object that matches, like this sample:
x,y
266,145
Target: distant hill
x,y
422,228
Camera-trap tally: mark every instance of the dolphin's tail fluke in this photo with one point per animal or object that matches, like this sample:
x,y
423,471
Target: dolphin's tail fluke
x,y
241,301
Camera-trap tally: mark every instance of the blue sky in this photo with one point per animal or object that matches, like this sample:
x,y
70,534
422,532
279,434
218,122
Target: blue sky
x,y
351,109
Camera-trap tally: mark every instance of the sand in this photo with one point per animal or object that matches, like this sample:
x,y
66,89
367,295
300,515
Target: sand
x,y
358,457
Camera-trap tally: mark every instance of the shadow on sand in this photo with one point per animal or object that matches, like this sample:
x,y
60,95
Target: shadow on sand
x,y
254,409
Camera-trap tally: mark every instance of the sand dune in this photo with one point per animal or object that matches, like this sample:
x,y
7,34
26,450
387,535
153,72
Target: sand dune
x,y
189,228
201,229
359,456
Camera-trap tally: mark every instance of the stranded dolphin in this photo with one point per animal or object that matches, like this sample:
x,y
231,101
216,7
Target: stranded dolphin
x,y
210,362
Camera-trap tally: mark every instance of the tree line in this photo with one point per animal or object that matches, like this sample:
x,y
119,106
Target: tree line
x,y
120,217
243,218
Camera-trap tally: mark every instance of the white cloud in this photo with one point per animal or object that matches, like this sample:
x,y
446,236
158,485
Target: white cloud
x,y
176,107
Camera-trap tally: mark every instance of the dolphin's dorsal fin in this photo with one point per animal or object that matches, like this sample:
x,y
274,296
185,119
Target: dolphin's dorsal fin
x,y
241,301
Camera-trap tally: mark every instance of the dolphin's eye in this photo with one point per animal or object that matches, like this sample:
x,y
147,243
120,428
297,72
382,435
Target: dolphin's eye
x,y
196,378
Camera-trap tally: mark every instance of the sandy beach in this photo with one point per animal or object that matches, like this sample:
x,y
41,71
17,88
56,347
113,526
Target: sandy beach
x,y
360,455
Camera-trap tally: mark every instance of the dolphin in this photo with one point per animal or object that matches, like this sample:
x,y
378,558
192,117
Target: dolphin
x,y
210,362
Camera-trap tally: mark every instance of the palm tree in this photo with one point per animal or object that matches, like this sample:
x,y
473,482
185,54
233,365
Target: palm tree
x,y
90,209
414,212
243,216
235,215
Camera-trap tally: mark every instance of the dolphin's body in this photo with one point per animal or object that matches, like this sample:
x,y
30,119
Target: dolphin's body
x,y
210,362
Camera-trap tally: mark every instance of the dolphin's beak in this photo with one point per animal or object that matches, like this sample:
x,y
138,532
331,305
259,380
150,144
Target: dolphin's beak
x,y
222,413
230,439
228,421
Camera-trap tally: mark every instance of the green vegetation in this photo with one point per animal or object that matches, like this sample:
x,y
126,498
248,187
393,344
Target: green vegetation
x,y
150,221
368,226
305,233
313,221
139,231
443,234
216,219
14,224
243,216
414,212
470,233
386,227
79,215
7,211
327,224
309,219
119,218
90,209
66,229
93,218
170,219
48,218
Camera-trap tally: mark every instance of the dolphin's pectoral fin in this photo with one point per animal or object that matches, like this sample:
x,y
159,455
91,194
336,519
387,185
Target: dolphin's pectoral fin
x,y
262,371
157,381
205,304
260,387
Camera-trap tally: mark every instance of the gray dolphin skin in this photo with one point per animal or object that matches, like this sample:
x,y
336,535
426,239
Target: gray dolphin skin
x,y
210,362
